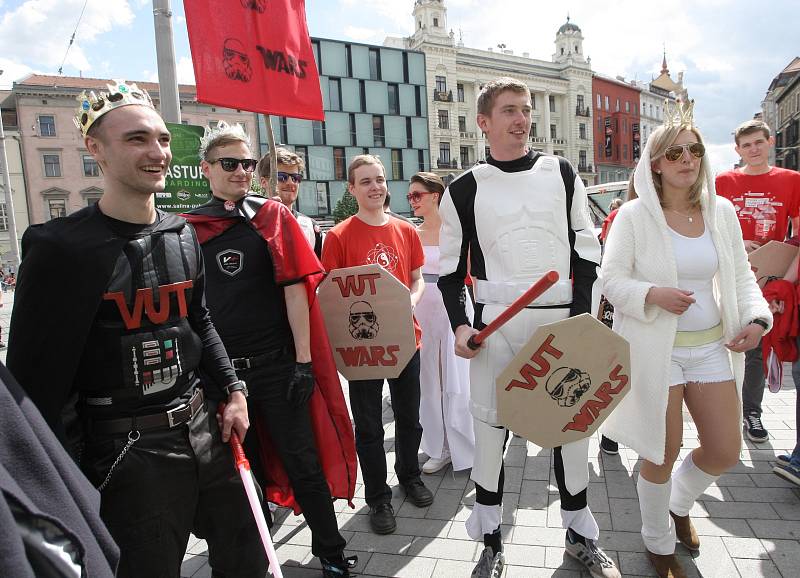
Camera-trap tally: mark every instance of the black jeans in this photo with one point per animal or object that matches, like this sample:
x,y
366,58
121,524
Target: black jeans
x,y
172,482
754,381
293,438
365,403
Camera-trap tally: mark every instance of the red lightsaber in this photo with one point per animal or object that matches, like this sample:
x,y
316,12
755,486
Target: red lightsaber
x,y
243,465
548,280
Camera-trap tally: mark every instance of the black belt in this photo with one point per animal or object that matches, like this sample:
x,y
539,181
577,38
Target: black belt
x,y
242,363
168,419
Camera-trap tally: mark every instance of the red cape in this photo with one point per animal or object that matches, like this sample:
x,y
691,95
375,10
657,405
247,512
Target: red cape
x,y
786,326
293,259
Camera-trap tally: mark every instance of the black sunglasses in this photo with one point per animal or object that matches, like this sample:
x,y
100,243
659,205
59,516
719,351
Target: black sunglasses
x,y
296,177
229,164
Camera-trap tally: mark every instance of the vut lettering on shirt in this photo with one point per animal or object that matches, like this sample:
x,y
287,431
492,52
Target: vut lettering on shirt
x,y
144,303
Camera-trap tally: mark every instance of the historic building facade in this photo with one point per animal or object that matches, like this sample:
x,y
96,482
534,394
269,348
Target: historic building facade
x,y
561,90
60,174
13,148
617,133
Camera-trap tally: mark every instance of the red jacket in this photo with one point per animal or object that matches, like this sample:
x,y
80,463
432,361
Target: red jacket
x,y
293,259
786,325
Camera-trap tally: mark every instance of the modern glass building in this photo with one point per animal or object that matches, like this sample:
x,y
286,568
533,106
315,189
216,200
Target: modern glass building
x,y
375,102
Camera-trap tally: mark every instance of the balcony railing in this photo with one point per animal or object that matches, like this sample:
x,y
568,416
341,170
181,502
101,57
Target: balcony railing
x,y
443,164
467,134
537,139
558,141
585,169
582,111
442,96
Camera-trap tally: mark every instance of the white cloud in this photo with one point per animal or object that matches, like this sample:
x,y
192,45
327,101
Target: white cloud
x,y
183,70
37,32
359,34
12,71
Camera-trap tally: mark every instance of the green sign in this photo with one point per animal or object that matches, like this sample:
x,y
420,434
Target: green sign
x,y
186,188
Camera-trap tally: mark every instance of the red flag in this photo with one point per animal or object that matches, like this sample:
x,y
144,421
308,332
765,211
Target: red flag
x,y
254,55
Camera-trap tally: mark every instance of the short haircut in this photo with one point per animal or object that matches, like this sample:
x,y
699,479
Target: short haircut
x,y
221,136
749,127
360,161
283,156
492,89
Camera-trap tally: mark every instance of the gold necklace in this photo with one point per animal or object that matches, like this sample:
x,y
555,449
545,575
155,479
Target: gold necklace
x,y
690,217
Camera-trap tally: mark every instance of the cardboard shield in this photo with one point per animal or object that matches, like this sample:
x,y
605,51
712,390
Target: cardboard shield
x,y
771,260
565,382
369,320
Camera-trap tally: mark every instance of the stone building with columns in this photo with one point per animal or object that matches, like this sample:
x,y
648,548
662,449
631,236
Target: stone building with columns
x,y
561,92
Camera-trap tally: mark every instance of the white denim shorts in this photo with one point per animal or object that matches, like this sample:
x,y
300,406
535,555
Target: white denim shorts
x,y
702,364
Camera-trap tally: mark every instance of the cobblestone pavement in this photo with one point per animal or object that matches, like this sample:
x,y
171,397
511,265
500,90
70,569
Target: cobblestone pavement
x,y
749,521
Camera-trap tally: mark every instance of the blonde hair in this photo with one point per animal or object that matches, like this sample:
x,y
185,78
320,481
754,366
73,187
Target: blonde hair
x,y
360,161
660,140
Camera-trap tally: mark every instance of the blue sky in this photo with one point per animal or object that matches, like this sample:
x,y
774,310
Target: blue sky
x,y
729,50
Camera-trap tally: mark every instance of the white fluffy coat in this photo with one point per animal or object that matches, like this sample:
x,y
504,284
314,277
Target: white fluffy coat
x,y
639,256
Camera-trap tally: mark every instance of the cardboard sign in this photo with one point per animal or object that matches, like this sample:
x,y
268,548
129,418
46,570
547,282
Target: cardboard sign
x,y
565,382
771,260
369,321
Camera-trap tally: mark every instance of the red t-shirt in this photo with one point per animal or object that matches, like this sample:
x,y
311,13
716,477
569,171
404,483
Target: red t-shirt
x,y
764,203
395,246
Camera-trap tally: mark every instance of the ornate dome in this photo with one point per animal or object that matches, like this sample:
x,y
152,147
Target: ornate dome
x,y
568,27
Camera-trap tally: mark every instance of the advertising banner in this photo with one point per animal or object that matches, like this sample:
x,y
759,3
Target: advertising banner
x,y
186,188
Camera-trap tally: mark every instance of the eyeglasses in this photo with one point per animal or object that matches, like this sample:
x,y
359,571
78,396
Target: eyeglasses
x,y
296,177
675,152
229,164
416,196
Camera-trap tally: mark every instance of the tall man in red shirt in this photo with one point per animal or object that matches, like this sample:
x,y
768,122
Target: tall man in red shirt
x,y
372,236
766,199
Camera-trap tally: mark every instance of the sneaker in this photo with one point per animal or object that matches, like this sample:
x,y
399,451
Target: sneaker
x,y
381,519
490,564
590,555
433,465
338,567
609,446
755,429
783,458
788,471
418,494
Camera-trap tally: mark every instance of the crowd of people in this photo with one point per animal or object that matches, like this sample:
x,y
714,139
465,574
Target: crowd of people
x,y
181,331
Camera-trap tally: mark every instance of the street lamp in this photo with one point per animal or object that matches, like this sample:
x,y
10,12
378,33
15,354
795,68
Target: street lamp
x,y
10,216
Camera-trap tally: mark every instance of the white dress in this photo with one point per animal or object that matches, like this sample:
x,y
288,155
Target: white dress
x,y
444,378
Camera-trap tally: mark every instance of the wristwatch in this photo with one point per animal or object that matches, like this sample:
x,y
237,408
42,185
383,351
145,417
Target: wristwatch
x,y
760,322
236,386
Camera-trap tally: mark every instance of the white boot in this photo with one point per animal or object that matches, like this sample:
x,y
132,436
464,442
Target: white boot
x,y
658,531
688,483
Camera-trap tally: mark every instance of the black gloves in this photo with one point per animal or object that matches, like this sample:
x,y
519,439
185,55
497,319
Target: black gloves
x,y
301,386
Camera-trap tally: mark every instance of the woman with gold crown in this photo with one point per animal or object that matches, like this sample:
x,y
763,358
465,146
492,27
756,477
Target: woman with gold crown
x,y
677,273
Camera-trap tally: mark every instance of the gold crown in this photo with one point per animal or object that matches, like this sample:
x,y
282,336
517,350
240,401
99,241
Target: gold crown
x,y
679,114
91,106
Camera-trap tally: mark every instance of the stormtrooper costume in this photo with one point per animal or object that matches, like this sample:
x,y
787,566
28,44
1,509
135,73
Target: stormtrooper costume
x,y
516,220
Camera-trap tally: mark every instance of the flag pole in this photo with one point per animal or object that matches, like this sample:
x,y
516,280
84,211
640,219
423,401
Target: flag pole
x,y
169,100
273,159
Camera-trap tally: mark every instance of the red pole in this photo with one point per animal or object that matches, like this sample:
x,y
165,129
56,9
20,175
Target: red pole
x,y
548,280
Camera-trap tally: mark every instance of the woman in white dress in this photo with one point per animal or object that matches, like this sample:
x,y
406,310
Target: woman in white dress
x,y
676,271
447,435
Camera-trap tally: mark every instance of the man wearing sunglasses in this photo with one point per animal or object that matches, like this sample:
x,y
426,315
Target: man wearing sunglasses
x,y
262,277
767,199
289,176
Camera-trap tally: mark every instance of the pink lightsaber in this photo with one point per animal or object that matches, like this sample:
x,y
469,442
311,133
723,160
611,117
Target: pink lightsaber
x,y
243,465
